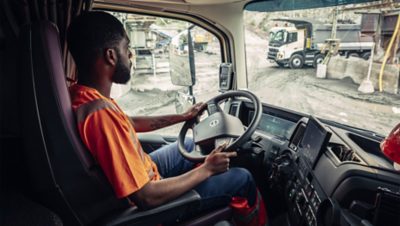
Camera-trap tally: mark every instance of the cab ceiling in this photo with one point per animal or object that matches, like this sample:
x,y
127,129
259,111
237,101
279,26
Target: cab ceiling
x,y
174,2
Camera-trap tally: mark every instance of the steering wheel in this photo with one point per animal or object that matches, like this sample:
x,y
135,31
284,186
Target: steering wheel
x,y
219,127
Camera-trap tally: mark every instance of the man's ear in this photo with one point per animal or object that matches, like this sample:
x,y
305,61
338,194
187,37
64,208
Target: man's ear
x,y
110,56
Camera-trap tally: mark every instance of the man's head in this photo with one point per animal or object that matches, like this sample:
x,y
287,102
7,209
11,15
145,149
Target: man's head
x,y
99,35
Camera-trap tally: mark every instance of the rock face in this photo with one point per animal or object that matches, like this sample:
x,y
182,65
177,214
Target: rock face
x,y
357,70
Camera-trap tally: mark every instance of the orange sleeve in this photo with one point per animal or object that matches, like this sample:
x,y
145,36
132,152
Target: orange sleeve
x,y
109,139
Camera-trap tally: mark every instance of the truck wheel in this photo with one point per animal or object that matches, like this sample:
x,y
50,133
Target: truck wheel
x,y
366,55
296,61
318,59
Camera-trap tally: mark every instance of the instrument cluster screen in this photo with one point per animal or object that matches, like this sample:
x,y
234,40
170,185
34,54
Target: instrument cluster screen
x,y
278,127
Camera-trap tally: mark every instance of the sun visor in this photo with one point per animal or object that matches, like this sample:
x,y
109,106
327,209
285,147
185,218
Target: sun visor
x,y
286,5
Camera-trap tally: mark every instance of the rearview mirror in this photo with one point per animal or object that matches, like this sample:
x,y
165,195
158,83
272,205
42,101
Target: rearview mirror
x,y
181,59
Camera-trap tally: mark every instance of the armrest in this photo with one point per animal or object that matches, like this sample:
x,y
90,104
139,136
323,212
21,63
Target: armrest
x,y
164,213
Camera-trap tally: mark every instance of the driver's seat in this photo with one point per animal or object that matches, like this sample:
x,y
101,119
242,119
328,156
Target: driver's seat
x,y
62,173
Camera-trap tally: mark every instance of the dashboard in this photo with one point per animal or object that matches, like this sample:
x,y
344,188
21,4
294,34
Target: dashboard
x,y
329,175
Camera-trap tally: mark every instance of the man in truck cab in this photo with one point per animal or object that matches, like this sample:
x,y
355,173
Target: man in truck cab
x,y
100,48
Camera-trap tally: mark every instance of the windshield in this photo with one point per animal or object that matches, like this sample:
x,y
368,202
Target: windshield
x,y
271,35
279,36
337,72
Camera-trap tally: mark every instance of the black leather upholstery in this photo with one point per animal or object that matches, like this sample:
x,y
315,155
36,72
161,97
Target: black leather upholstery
x,y
172,209
62,174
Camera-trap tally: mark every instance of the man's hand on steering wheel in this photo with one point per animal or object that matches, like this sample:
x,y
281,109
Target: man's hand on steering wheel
x,y
218,161
194,110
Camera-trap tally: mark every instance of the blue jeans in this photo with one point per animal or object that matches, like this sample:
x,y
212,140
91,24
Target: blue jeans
x,y
217,190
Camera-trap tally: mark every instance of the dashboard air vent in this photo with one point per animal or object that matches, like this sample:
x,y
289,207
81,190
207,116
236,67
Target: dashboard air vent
x,y
343,153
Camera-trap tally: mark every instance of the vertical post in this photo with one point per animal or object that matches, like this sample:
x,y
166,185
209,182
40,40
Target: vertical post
x,y
191,93
378,33
332,44
334,23
153,58
191,55
396,46
371,61
366,85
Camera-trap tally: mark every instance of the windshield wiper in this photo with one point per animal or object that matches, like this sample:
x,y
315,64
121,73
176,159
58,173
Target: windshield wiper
x,y
354,129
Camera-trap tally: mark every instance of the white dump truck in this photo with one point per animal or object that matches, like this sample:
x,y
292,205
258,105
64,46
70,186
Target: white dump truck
x,y
300,42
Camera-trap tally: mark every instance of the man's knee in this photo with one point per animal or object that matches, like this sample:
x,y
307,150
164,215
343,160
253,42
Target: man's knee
x,y
242,175
246,184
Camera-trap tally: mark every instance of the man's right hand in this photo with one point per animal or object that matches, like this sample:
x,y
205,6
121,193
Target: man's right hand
x,y
155,193
218,161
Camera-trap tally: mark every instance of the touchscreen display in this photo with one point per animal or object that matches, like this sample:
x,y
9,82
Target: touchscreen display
x,y
314,140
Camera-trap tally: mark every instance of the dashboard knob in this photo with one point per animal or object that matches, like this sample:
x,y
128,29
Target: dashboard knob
x,y
292,193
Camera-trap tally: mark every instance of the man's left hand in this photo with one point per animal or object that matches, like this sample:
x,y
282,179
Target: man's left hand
x,y
194,110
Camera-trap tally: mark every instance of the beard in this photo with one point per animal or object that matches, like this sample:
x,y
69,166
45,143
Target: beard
x,y
122,72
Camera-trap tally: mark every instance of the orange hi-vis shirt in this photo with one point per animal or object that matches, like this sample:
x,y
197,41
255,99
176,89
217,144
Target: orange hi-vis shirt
x,y
111,139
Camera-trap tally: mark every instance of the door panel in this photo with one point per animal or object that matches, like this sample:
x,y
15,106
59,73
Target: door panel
x,y
151,142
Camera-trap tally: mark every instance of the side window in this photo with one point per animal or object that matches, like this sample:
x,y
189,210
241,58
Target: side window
x,y
292,37
150,90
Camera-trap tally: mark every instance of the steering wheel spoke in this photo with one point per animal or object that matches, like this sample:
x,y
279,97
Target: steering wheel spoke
x,y
213,107
197,151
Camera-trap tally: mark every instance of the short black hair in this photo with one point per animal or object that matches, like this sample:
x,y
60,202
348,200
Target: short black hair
x,y
89,34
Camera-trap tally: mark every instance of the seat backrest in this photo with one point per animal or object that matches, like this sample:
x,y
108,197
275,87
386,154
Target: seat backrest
x,y
62,172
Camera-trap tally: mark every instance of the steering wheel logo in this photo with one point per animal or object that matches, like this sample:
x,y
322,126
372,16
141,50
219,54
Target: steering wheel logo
x,y
214,123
